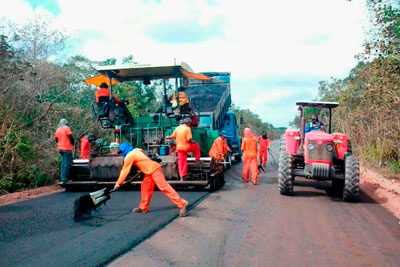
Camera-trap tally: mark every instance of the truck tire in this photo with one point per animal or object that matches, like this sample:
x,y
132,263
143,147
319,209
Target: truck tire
x,y
351,188
229,164
213,184
220,181
285,177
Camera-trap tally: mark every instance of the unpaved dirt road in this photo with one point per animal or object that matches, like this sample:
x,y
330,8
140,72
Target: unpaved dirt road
x,y
247,225
240,225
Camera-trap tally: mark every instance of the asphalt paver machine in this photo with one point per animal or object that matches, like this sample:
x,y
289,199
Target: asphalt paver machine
x,y
318,155
147,132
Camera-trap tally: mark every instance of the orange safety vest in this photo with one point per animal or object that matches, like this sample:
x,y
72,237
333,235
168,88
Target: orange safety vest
x,y
85,148
249,147
105,92
63,140
141,161
219,148
182,135
264,143
183,99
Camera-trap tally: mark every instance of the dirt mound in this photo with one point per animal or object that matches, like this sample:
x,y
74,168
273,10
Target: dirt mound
x,y
385,190
29,194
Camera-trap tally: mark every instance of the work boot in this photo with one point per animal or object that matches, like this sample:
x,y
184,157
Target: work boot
x,y
255,183
182,211
139,210
245,181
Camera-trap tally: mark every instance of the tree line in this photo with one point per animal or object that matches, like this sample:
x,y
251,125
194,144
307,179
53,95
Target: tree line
x,y
38,87
369,96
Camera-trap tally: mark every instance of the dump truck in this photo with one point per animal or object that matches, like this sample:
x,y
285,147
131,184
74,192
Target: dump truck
x,y
318,155
213,99
148,132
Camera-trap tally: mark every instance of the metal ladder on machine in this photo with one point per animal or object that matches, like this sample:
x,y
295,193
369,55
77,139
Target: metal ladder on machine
x,y
159,132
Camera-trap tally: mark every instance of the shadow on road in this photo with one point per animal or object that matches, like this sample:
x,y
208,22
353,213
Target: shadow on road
x,y
301,184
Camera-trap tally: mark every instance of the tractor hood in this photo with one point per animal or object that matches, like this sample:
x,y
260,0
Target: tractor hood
x,y
319,136
318,148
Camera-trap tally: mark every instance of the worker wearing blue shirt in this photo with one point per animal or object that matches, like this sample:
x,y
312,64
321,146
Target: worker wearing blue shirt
x,y
314,125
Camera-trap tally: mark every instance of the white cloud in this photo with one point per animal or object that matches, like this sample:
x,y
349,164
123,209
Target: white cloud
x,y
252,39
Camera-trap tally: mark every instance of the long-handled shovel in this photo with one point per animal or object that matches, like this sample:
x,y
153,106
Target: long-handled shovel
x,y
271,152
89,202
260,168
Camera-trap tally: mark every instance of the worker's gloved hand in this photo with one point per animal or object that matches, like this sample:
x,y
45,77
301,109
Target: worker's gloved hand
x,y
116,187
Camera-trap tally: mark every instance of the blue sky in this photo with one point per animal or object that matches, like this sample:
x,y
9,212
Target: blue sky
x,y
276,51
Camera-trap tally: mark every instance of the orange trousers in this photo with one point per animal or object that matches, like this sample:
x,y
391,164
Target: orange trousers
x,y
263,156
182,158
250,165
147,189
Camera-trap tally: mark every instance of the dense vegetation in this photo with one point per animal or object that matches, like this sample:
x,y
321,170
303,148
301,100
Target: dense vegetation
x,y
37,89
246,118
370,94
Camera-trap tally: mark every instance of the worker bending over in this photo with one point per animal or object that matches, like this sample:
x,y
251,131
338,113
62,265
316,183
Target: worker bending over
x,y
153,176
264,147
249,148
219,148
184,144
85,145
65,142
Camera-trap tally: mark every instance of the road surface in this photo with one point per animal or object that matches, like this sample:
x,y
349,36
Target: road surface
x,y
41,232
240,225
247,225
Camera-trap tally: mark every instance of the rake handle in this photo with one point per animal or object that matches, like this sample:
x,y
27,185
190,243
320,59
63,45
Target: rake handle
x,y
126,182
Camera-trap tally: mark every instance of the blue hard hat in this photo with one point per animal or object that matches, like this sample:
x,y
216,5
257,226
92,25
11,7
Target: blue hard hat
x,y
223,133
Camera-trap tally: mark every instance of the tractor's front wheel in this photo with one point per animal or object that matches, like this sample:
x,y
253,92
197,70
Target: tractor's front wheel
x,y
285,177
351,179
282,143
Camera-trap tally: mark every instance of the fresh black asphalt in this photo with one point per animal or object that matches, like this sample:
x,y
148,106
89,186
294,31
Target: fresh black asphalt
x,y
42,232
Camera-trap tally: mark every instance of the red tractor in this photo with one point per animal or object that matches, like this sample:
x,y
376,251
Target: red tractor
x,y
318,155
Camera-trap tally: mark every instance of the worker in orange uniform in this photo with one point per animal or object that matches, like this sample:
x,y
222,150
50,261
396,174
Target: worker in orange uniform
x,y
219,148
153,176
249,148
183,99
85,145
184,144
264,147
104,92
103,95
65,143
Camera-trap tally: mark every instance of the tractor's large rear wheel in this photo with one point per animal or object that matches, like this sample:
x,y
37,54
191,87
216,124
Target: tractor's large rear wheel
x,y
351,179
285,177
